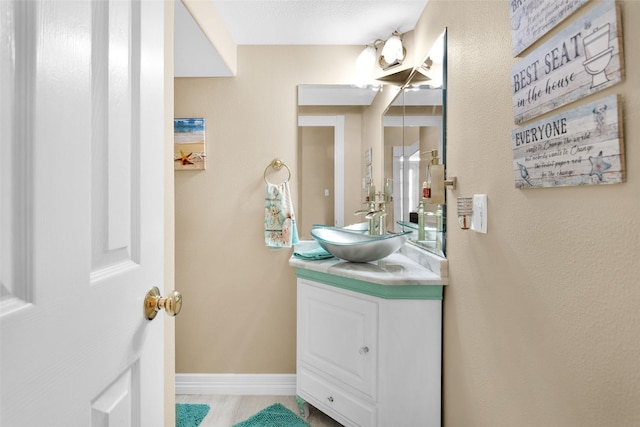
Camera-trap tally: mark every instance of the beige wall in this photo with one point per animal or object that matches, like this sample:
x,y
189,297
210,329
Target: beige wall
x,y
169,220
541,318
239,296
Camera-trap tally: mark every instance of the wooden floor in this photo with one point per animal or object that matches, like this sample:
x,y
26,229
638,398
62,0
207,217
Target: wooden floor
x,y
228,410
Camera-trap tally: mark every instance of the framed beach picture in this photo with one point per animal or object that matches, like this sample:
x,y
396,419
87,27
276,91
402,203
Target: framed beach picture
x,y
189,144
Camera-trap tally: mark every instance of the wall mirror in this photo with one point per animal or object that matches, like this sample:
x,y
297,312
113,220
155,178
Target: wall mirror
x,y
415,135
330,141
331,147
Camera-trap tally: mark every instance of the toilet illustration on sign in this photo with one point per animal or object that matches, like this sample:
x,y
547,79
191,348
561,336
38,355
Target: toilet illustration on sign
x,y
598,54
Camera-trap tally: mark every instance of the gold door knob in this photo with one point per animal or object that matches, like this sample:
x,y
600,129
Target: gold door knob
x,y
154,302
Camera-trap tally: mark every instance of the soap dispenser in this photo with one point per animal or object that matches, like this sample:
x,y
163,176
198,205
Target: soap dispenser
x,y
426,185
371,192
421,214
388,190
436,172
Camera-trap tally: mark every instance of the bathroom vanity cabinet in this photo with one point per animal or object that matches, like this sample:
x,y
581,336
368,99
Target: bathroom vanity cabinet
x,y
369,354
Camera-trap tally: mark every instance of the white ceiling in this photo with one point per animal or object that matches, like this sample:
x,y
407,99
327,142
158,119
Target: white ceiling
x,y
290,22
317,22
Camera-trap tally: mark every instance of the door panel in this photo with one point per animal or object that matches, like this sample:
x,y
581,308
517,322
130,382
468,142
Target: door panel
x,y
117,404
17,50
115,89
81,217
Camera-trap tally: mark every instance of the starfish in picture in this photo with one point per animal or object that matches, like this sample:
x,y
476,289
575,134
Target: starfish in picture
x,y
184,158
598,165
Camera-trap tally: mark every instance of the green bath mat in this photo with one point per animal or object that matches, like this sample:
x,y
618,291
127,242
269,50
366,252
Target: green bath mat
x,y
275,415
190,415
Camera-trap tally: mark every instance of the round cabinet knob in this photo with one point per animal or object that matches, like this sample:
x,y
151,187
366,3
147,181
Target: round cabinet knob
x,y
364,350
154,302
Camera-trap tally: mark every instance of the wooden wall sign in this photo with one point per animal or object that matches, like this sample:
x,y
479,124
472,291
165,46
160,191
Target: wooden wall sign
x,y
582,146
584,58
531,19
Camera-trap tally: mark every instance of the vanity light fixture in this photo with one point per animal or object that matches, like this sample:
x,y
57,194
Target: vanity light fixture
x,y
393,50
427,64
392,53
367,58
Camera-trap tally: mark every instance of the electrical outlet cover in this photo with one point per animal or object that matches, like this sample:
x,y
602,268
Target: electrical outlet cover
x,y
479,217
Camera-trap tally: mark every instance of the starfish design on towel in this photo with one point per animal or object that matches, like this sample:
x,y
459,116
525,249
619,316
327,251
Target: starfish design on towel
x,y
598,165
184,158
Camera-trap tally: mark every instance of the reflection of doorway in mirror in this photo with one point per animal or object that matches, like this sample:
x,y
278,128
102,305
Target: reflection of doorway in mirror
x,y
414,176
336,125
316,184
406,173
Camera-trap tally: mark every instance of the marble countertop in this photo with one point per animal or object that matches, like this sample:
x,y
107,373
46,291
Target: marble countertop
x,y
400,268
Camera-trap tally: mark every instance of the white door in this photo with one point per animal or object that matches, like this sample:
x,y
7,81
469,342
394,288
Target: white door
x,y
81,224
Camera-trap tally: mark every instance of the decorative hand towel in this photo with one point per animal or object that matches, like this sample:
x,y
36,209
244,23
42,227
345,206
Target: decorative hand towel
x,y
279,221
313,254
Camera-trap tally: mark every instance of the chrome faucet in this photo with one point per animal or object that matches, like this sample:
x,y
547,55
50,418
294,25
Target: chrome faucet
x,y
374,213
370,214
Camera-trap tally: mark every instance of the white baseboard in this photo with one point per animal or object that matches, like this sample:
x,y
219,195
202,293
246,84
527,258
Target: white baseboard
x,y
237,384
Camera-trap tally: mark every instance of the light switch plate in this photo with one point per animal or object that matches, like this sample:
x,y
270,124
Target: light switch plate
x,y
479,217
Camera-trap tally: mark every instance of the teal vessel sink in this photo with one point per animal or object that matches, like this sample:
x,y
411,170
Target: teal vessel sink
x,y
355,246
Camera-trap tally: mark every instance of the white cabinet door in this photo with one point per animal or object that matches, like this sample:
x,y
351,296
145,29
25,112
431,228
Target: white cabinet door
x,y
338,335
81,202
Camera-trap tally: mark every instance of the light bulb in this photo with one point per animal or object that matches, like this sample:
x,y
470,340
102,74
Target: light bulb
x,y
392,50
366,59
